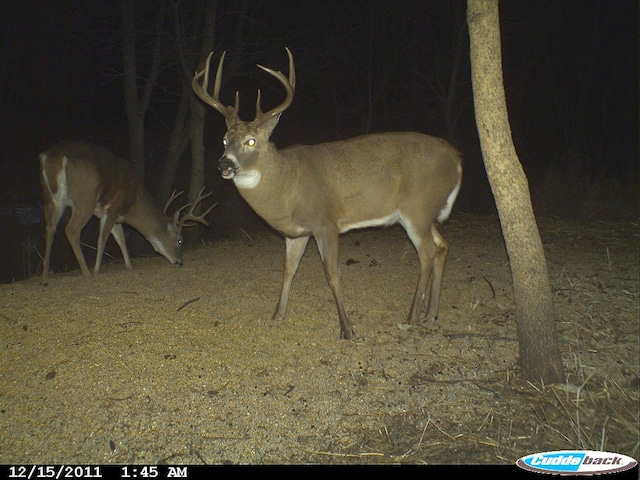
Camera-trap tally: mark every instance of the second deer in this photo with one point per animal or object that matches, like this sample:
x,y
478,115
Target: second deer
x,y
92,181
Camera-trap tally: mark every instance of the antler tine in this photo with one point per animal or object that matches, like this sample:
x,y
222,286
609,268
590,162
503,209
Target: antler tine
x,y
289,85
190,219
174,195
230,114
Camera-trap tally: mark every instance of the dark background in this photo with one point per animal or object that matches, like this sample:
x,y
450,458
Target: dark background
x,y
570,74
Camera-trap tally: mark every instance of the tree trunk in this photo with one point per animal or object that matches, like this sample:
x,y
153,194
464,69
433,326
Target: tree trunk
x,y
451,112
135,105
177,144
198,112
540,357
136,121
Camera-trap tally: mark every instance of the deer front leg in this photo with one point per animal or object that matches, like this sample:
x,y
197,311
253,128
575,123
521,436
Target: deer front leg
x,y
118,233
294,249
329,246
107,223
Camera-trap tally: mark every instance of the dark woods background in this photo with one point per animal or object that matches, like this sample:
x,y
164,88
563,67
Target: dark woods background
x,y
570,73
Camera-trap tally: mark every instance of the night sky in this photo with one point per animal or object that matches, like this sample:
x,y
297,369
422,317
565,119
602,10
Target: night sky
x,y
570,72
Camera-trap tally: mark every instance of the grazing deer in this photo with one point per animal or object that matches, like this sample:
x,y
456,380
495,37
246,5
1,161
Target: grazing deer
x,y
327,189
93,181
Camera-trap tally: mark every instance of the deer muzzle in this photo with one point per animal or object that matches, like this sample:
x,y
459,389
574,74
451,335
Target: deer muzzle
x,y
227,167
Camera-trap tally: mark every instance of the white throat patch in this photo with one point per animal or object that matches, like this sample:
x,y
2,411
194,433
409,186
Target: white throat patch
x,y
248,179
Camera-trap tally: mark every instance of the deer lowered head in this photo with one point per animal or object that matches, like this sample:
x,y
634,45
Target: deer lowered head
x,y
92,181
326,189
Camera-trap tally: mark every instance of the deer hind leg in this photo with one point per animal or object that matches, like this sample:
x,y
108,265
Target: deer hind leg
x,y
437,271
52,214
426,249
432,253
329,246
294,249
76,223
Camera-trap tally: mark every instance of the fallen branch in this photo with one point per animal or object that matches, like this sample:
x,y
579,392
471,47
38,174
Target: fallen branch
x,y
188,302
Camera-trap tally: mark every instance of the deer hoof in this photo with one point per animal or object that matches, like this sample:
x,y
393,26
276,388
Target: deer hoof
x,y
347,334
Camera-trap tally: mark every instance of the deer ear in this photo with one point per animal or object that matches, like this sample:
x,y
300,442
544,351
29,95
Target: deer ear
x,y
269,124
232,118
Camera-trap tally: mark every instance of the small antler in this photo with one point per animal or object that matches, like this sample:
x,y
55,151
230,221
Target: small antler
x,y
189,219
174,195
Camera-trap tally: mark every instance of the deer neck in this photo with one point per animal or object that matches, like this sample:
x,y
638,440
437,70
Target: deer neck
x,y
145,216
263,176
264,184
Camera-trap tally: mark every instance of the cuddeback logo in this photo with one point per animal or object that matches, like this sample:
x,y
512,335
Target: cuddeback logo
x,y
579,462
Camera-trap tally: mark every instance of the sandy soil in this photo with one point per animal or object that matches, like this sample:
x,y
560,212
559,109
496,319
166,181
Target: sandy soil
x,y
185,366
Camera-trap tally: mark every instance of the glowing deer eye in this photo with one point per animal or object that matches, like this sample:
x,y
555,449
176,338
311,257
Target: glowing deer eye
x,y
224,142
251,142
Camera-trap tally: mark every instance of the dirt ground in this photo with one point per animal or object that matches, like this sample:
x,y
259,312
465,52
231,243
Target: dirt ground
x,y
186,366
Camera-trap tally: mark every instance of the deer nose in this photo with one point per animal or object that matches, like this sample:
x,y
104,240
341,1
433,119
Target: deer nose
x,y
227,167
225,164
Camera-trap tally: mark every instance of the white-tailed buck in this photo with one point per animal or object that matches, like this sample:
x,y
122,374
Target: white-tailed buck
x,y
92,181
330,188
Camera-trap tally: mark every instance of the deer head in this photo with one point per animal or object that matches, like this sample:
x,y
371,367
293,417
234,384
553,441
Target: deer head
x,y
244,139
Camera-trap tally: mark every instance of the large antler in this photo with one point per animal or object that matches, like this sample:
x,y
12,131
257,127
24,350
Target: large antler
x,y
289,85
189,219
230,113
